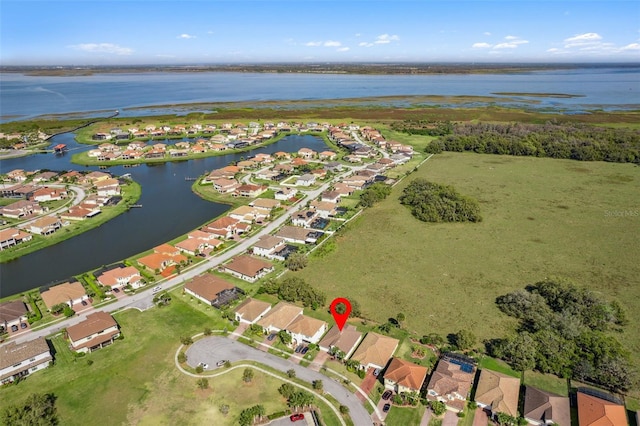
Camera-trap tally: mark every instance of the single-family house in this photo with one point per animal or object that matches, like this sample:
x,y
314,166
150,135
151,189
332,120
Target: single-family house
x,y
268,245
48,194
327,155
248,268
96,331
345,341
404,376
451,383
600,410
108,187
251,310
265,203
375,351
193,246
12,236
298,235
306,179
498,393
12,315
225,186
224,227
45,225
324,209
20,360
330,197
306,153
304,218
250,190
343,189
279,317
542,408
248,214
21,209
285,194
72,294
304,329
120,277
212,290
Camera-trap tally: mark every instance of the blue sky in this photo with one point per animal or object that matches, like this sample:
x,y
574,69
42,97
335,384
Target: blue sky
x,y
87,32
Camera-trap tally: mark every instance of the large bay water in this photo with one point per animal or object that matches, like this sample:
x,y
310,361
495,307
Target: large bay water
x,y
169,207
26,96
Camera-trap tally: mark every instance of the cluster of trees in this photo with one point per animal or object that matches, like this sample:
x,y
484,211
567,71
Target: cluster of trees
x,y
296,261
432,202
374,193
249,415
423,127
570,141
293,289
563,330
296,398
37,410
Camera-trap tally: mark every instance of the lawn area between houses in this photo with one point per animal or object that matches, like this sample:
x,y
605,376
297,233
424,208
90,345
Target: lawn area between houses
x,y
135,377
542,218
546,382
403,416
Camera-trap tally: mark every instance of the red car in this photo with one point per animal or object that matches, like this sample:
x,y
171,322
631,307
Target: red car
x,y
296,417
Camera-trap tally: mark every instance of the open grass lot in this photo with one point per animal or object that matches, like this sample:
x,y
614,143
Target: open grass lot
x,y
542,218
131,380
547,382
402,416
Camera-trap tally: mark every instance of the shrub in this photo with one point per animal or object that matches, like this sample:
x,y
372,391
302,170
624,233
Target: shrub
x,y
182,357
186,340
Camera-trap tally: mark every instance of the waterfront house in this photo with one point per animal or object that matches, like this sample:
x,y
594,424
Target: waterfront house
x,y
45,225
375,351
73,294
96,331
251,310
248,268
306,153
120,277
12,236
345,341
225,186
20,360
404,376
224,227
212,290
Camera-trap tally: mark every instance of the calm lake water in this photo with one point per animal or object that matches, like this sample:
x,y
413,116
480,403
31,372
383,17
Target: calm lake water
x,y
24,96
169,209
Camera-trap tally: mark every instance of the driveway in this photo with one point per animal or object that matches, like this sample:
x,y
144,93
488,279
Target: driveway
x,y
450,419
480,418
213,349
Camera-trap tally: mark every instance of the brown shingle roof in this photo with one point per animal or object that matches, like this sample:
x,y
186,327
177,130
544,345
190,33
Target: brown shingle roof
x,y
95,322
63,293
208,286
268,241
546,407
247,265
449,379
406,374
498,391
13,353
280,316
10,311
306,326
344,340
250,309
593,411
375,349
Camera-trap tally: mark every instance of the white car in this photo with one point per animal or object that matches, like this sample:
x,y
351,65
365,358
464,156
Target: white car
x,y
204,365
157,289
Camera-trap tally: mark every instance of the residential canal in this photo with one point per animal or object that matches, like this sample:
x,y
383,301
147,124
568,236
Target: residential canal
x,y
169,209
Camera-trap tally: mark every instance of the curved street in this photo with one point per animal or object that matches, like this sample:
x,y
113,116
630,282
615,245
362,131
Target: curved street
x,y
212,349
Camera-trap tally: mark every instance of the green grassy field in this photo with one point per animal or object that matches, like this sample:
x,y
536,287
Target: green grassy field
x,y
403,416
542,218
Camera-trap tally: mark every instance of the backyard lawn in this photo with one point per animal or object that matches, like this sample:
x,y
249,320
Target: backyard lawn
x,y
403,416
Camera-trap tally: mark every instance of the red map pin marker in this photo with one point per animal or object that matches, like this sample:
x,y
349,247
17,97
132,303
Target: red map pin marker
x,y
341,318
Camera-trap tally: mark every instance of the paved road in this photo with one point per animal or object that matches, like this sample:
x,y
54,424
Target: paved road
x,y
213,349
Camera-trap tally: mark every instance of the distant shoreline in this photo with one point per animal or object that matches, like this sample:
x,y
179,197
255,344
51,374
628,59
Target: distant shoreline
x,y
312,68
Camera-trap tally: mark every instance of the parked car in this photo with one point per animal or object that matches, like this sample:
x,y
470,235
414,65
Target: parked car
x,y
304,350
23,325
157,289
296,417
376,372
386,408
204,365
299,349
221,363
386,395
271,336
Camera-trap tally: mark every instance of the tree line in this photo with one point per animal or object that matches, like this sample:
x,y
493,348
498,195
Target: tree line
x,y
568,141
565,330
432,202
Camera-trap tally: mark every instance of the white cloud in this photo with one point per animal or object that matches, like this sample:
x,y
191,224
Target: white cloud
x,y
358,34
103,48
186,36
481,45
554,50
343,49
583,37
365,44
511,43
313,43
386,38
632,46
331,43
487,33
510,37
